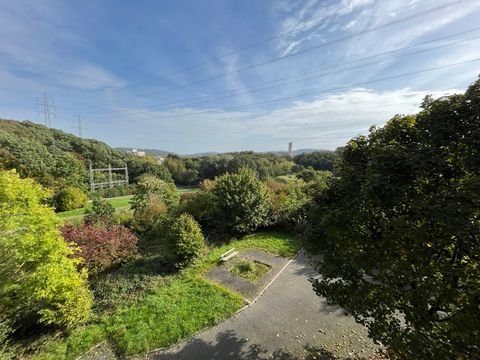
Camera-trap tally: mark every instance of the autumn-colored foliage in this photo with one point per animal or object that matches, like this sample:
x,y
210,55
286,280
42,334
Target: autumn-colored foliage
x,y
101,248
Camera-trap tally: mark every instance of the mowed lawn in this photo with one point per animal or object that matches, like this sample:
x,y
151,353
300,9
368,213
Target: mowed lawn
x,y
118,203
185,304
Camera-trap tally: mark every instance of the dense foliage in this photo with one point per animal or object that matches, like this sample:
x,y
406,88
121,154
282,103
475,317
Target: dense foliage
x,y
101,212
188,171
70,198
399,231
288,201
101,248
319,160
185,240
154,199
7,350
58,160
241,202
39,282
150,186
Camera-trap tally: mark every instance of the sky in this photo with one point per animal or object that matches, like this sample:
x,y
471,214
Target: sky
x,y
226,75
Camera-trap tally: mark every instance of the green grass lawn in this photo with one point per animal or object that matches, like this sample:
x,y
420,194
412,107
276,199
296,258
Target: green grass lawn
x,y
117,203
185,304
187,189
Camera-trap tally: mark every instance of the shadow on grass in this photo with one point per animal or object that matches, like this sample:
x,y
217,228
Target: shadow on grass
x,y
229,346
151,265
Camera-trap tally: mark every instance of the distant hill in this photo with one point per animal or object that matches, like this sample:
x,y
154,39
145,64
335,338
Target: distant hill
x,y
57,159
156,152
153,152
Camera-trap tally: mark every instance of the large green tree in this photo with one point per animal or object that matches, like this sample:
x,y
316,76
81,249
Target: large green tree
x,y
39,281
399,231
241,202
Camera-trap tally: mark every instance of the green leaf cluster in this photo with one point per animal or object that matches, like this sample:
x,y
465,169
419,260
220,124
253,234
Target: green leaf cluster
x,y
39,281
185,240
70,198
399,230
241,202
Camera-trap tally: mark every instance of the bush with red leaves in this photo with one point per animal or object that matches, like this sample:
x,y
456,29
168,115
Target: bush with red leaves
x,y
101,248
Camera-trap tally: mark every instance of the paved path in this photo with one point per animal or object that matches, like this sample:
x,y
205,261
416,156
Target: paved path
x,y
287,320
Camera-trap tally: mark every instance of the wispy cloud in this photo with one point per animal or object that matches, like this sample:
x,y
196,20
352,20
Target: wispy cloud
x,y
309,21
325,122
38,42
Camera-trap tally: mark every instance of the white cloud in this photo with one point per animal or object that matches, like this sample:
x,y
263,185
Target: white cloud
x,y
325,122
33,40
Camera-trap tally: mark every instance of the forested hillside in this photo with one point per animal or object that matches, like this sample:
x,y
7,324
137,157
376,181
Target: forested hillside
x,y
57,159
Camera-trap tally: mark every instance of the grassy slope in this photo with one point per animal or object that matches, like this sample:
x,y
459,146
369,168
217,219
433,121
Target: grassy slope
x,y
186,305
117,203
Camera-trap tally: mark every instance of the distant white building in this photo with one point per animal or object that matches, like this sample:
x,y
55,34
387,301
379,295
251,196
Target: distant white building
x,y
136,152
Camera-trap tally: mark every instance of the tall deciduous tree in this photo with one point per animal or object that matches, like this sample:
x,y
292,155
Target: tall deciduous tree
x,y
39,281
399,231
241,202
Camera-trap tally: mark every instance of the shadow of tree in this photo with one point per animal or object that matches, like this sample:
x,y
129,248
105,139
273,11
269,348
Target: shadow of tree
x,y
228,346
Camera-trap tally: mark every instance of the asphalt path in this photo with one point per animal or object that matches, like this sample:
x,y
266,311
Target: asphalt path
x,y
289,321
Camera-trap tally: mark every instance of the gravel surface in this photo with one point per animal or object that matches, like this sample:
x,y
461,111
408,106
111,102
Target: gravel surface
x,y
286,322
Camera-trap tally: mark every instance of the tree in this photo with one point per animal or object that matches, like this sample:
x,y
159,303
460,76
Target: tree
x,y
185,240
288,201
241,202
102,212
151,186
154,198
138,166
71,198
318,160
399,231
39,282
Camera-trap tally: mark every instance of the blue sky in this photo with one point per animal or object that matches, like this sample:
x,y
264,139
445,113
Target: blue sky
x,y
218,75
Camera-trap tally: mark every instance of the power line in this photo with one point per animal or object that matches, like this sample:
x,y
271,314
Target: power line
x,y
309,49
220,57
257,87
46,108
332,89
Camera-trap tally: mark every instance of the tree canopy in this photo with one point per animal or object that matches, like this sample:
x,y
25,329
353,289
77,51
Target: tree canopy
x,y
241,202
399,231
57,160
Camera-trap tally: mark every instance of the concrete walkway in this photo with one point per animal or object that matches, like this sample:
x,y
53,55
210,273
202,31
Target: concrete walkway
x,y
286,322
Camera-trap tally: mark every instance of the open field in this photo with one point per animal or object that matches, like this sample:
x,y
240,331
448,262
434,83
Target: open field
x,y
117,203
173,309
187,189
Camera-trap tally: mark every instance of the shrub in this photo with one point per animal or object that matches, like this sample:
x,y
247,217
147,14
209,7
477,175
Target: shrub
x,y
39,281
101,248
241,202
288,202
124,217
149,186
7,350
146,217
200,205
154,199
101,212
70,198
185,240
